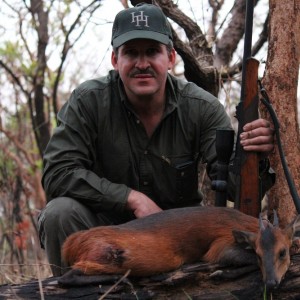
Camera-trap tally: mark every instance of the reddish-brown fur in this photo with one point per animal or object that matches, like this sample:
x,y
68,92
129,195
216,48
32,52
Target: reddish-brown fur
x,y
163,242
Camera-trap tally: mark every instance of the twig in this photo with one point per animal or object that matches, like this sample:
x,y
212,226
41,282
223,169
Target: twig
x,y
38,271
116,284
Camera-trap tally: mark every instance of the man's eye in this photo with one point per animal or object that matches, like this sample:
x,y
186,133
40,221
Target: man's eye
x,y
152,51
130,52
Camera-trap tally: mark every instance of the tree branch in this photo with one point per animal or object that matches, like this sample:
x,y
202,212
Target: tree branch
x,y
263,38
19,146
198,57
67,46
14,77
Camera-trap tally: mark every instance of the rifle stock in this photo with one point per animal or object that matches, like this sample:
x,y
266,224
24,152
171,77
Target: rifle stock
x,y
249,201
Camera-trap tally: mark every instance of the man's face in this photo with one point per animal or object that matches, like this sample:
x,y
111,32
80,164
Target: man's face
x,y
143,66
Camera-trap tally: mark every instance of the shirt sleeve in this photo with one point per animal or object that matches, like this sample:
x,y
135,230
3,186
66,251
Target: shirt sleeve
x,y
70,156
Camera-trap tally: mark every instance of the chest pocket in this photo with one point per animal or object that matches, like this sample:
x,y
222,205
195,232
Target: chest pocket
x,y
179,183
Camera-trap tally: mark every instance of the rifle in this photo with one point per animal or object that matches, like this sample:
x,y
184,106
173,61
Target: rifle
x,y
248,197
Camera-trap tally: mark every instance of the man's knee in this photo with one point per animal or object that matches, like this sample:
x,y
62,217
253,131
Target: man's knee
x,y
59,209
61,217
66,214
56,212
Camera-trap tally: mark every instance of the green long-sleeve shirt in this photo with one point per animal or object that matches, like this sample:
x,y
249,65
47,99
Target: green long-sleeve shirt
x,y
100,149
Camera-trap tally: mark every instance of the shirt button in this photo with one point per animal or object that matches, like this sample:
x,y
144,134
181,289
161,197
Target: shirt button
x,y
138,121
145,183
145,152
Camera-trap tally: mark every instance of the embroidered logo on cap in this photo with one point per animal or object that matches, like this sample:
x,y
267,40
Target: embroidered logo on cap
x,y
140,18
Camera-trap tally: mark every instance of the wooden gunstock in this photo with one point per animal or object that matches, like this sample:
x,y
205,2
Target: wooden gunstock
x,y
250,198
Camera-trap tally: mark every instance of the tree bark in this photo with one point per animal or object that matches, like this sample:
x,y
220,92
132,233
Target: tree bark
x,y
232,35
280,80
37,107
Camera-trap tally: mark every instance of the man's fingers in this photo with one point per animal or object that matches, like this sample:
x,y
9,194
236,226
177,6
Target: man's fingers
x,y
256,124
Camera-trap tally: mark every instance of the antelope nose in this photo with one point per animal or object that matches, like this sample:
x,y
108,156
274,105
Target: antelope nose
x,y
271,284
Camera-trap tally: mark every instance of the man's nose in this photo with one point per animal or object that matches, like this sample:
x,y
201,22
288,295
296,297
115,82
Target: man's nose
x,y
142,62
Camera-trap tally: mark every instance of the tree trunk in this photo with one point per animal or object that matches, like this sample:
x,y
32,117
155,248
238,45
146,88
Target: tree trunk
x,y
40,123
280,81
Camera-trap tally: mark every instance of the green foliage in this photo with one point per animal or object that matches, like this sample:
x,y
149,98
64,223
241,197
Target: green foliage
x,y
20,115
68,6
13,54
29,70
7,169
50,80
11,51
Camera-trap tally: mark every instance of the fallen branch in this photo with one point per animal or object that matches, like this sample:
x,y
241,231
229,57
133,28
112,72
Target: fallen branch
x,y
196,281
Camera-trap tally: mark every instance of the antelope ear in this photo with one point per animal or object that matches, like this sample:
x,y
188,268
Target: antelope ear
x,y
245,238
293,227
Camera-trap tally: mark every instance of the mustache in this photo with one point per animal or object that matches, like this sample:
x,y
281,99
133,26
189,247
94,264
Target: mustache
x,y
147,71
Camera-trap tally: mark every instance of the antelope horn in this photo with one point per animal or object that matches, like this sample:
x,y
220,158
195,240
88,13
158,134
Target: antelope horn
x,y
261,223
275,219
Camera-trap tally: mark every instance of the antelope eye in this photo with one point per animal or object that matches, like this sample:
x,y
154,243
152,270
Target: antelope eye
x,y
282,253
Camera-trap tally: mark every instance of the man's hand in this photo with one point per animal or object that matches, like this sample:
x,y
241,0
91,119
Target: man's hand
x,y
258,136
141,205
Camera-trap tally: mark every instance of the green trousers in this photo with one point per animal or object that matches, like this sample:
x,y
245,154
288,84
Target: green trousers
x,y
61,217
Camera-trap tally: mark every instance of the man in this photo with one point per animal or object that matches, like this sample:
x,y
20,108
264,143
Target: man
x,y
128,144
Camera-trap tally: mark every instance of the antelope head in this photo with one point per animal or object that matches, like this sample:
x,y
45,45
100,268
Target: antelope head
x,y
272,247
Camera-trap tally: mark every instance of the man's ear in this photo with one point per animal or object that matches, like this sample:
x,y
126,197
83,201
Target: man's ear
x,y
244,238
172,58
114,60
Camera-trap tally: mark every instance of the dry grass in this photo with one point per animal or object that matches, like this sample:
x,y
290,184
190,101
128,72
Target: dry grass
x,y
22,264
15,273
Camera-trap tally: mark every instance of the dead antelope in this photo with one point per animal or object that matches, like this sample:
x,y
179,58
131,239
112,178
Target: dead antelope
x,y
164,241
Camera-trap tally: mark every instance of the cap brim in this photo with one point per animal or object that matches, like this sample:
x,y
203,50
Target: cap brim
x,y
140,34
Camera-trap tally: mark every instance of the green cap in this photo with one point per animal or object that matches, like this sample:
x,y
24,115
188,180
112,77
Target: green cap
x,y
144,21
